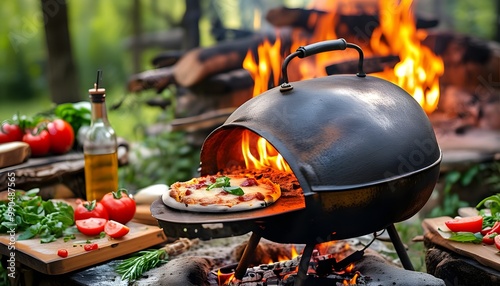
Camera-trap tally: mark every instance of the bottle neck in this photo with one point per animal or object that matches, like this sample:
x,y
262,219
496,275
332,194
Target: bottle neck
x,y
98,102
99,112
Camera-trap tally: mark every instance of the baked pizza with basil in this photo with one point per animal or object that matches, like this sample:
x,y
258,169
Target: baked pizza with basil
x,y
219,193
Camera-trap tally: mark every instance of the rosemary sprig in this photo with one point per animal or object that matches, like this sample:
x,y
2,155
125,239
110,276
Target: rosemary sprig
x,y
132,268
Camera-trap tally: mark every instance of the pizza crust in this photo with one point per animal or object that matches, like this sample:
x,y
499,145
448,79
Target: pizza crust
x,y
225,202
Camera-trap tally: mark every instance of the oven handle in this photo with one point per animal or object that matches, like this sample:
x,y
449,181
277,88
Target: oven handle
x,y
320,47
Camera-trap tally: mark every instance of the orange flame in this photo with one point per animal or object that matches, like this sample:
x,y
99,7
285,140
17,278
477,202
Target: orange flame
x,y
268,66
224,278
267,156
417,72
353,280
419,68
295,253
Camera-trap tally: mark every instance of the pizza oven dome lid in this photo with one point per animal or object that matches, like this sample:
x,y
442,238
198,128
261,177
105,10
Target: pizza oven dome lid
x,y
336,133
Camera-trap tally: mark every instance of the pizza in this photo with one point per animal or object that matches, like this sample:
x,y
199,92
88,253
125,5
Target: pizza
x,y
220,193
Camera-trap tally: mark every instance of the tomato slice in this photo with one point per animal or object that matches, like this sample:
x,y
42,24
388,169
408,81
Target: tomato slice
x,y
470,224
115,229
497,241
91,226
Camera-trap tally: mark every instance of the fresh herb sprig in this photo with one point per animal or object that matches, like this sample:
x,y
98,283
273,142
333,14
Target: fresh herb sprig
x,y
132,268
225,184
31,216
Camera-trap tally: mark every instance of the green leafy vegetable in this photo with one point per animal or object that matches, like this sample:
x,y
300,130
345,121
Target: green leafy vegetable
x,y
466,237
31,216
219,183
237,191
76,114
491,202
133,267
224,183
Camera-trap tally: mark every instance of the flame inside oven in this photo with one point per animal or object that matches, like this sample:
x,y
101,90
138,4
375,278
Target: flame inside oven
x,y
259,154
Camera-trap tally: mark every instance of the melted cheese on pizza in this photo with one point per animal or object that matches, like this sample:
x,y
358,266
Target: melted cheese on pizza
x,y
256,192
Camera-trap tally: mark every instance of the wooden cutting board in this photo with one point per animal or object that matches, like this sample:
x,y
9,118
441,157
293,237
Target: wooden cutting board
x,y
44,258
435,231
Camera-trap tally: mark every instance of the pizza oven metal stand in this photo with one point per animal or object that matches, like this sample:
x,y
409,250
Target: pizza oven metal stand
x,y
361,148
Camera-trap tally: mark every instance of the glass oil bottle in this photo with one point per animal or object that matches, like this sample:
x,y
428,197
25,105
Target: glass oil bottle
x,y
100,149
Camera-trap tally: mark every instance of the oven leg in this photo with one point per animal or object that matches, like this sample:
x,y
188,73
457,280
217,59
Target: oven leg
x,y
304,265
400,249
247,255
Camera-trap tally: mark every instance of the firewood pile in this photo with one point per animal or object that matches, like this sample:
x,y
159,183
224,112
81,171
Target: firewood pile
x,y
211,82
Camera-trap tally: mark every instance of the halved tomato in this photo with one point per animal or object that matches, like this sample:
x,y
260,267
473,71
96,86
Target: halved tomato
x,y
470,224
91,226
497,241
115,229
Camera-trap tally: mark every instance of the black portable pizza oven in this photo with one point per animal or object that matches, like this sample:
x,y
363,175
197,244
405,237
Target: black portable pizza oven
x,y
362,149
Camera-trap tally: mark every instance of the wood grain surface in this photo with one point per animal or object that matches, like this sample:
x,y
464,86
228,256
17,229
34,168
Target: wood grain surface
x,y
44,258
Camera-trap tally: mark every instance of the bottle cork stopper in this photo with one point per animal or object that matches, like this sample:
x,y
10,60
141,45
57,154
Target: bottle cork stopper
x,y
97,94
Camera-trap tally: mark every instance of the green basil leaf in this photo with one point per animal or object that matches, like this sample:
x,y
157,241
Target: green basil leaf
x,y
466,237
219,183
237,191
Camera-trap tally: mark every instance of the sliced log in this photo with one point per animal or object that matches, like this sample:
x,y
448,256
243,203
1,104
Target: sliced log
x,y
185,271
157,78
201,63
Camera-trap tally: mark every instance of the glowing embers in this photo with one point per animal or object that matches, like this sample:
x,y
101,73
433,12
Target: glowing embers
x,y
323,269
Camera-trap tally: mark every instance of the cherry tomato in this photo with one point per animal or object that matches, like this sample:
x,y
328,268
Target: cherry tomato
x,y
10,133
115,229
62,253
90,246
120,206
91,226
470,224
39,143
90,209
489,238
486,230
62,136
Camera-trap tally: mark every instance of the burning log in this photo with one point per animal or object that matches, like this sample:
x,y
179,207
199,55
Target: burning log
x,y
266,251
370,269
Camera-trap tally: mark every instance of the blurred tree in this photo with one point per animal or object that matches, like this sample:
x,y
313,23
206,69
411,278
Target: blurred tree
x,y
62,75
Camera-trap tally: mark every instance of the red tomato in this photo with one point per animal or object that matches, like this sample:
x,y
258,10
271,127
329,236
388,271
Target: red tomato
x,y
120,206
90,246
470,224
91,226
62,136
486,230
62,253
495,228
115,229
497,241
39,143
10,132
489,238
90,209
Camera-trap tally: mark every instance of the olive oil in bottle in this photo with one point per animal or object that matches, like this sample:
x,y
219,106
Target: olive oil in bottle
x,y
100,149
